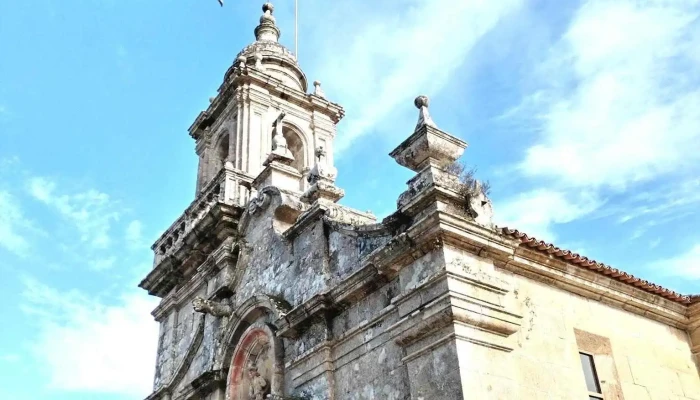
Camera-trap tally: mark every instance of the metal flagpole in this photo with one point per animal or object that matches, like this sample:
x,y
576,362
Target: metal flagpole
x,y
296,28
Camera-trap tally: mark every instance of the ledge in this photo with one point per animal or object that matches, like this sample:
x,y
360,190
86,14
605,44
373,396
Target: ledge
x,y
208,233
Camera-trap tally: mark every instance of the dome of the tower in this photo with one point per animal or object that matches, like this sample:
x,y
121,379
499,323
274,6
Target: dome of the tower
x,y
275,59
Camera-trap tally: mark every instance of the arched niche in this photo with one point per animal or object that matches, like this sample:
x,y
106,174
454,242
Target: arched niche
x,y
257,365
251,341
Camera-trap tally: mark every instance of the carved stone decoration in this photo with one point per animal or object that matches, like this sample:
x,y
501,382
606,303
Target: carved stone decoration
x,y
424,118
257,366
428,144
321,170
258,203
241,62
258,61
280,149
317,89
211,307
259,386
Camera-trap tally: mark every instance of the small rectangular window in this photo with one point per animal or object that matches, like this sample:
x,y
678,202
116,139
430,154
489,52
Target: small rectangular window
x,y
589,372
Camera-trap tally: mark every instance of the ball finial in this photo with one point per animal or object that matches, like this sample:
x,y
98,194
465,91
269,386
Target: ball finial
x,y
421,101
268,7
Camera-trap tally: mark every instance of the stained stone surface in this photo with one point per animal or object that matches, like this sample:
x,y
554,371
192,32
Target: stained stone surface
x,y
266,278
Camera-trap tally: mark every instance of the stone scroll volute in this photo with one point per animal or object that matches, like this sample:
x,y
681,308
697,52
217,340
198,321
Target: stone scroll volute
x,y
257,365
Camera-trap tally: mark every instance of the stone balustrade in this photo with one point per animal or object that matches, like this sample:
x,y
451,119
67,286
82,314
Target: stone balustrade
x,y
229,187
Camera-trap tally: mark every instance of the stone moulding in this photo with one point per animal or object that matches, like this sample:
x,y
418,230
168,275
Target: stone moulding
x,y
219,223
225,257
589,284
427,143
585,262
495,322
257,334
348,291
236,78
509,255
219,190
327,212
243,315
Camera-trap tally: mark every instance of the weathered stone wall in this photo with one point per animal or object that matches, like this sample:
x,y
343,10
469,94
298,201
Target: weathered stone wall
x,y
636,357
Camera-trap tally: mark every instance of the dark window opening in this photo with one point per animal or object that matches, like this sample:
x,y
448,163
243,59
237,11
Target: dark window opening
x,y
591,376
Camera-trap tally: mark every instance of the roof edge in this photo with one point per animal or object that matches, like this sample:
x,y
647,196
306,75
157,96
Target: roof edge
x,y
604,269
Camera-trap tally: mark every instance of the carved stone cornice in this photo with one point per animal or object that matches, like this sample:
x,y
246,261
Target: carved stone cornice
x,y
347,292
219,222
479,305
428,144
275,87
507,254
328,211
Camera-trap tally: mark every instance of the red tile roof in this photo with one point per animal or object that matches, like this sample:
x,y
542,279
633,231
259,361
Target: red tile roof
x,y
593,265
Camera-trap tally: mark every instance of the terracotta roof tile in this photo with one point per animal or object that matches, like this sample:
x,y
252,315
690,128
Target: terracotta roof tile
x,y
604,269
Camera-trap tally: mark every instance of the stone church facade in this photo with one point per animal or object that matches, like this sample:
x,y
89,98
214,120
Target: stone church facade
x,y
272,290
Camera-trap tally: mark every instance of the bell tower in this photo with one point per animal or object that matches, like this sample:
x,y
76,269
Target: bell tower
x,y
262,113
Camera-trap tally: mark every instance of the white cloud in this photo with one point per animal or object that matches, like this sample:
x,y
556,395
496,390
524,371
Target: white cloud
x,y
91,212
535,212
622,99
85,345
134,235
394,52
14,226
686,265
102,264
615,104
10,358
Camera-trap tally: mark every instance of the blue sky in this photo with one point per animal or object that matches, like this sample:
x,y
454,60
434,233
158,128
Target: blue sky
x,y
584,116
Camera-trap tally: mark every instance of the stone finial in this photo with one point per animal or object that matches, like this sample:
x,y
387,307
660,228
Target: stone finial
x,y
258,61
424,118
241,62
322,177
428,145
267,30
268,8
320,154
317,89
320,170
